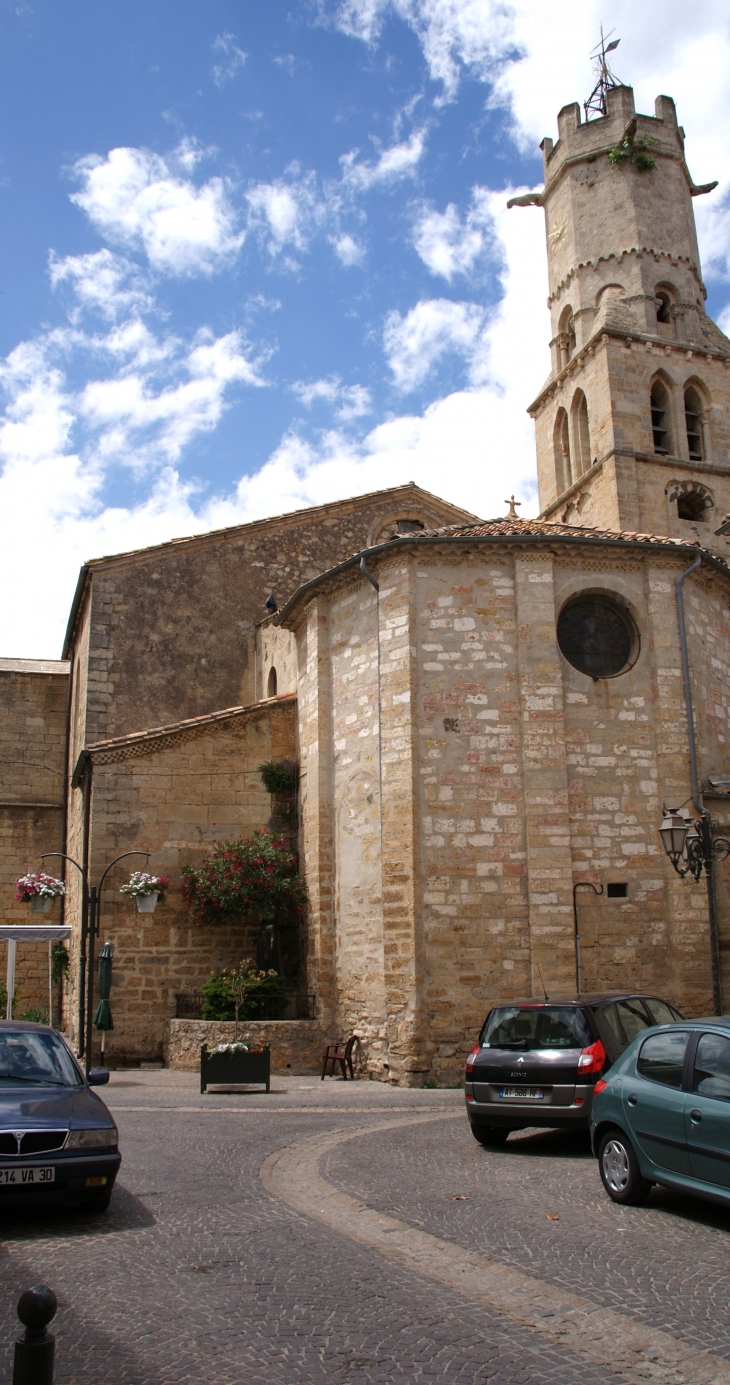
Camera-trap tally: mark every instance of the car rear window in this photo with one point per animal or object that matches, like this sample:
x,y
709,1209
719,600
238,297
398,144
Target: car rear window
x,y
662,1013
544,1026
661,1058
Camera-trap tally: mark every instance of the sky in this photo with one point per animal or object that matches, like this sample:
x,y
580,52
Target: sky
x,y
257,256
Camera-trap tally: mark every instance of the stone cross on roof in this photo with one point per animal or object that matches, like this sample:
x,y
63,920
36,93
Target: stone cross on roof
x,y
512,511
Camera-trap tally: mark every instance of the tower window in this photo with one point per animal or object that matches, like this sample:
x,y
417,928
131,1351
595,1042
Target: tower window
x,y
693,420
660,417
663,307
561,441
271,685
694,501
581,435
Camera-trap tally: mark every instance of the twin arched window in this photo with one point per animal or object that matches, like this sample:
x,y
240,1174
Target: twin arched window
x,y
572,442
694,421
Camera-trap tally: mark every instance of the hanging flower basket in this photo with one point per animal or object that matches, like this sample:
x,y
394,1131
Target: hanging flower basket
x,y
146,890
39,890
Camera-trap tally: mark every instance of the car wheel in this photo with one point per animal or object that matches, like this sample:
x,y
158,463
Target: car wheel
x,y
490,1135
620,1173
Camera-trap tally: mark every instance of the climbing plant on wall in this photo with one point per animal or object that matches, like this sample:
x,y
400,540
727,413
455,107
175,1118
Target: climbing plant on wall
x,y
254,878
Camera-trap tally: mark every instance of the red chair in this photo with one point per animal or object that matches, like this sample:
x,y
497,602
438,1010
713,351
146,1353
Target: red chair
x,y
339,1053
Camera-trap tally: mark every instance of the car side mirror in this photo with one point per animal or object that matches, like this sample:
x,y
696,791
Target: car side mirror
x,y
98,1077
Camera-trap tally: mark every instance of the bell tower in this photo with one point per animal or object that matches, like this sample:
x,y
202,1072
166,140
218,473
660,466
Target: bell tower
x,y
633,423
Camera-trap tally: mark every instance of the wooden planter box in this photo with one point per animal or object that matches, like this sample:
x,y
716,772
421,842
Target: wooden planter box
x,y
232,1069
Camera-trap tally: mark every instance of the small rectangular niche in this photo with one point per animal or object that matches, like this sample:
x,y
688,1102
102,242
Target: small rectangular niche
x,y
617,890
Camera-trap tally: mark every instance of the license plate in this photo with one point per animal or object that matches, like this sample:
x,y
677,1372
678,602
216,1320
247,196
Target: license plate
x,y
524,1093
24,1177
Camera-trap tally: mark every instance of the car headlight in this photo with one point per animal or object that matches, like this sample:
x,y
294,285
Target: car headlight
x,y
102,1137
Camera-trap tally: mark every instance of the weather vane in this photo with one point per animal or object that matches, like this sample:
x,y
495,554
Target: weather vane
x,y
605,79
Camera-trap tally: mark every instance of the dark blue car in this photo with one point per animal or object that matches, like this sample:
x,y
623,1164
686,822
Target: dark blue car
x,y
662,1113
58,1141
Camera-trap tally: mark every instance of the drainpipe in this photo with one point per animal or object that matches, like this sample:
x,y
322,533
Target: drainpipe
x,y
705,816
83,772
376,587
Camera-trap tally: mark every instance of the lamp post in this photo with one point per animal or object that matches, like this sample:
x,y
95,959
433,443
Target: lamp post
x,y
90,905
692,849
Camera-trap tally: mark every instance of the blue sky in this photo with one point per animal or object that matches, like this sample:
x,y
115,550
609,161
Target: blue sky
x,y
256,256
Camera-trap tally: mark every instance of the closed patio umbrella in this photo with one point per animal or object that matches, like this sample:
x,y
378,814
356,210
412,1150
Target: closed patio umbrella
x,y
103,1015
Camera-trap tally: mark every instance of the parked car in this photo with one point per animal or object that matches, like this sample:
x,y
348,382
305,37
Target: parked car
x,y
58,1141
662,1114
537,1061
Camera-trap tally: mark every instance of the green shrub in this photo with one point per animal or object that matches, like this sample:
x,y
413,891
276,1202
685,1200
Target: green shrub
x,y
36,1015
279,776
246,984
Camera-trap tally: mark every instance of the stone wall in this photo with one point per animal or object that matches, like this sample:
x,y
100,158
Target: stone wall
x,y
174,792
168,633
296,1045
507,777
33,702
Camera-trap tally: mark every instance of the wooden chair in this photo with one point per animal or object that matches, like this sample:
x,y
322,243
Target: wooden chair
x,y
339,1053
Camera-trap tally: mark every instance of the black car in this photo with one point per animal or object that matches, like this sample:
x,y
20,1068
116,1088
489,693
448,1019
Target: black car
x,y
58,1141
538,1061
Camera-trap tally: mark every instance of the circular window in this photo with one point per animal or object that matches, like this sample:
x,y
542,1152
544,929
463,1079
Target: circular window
x,y
598,637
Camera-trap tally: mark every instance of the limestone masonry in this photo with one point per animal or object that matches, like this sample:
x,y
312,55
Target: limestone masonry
x,y
484,714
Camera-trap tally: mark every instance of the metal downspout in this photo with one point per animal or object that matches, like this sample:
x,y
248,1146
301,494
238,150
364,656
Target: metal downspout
x,y
705,816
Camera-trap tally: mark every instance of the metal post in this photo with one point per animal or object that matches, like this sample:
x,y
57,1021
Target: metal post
x,y
12,950
34,1351
93,926
706,834
88,770
597,889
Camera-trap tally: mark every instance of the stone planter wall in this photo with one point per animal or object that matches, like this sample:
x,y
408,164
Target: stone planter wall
x,y
296,1045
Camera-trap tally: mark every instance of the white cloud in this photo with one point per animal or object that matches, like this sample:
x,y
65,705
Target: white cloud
x,y
286,212
414,344
450,246
348,251
399,161
102,282
231,59
351,401
139,200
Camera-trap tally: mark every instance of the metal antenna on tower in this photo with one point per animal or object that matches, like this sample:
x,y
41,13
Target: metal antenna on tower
x,y
605,79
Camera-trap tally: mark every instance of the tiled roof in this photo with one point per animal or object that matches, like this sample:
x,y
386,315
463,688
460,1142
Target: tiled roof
x,y
176,728
515,528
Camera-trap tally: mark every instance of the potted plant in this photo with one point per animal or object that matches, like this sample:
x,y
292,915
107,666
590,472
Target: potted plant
x,y
39,890
236,1063
147,890
243,994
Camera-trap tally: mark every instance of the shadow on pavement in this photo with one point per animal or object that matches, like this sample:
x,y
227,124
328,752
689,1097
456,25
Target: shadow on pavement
x,y
55,1221
557,1144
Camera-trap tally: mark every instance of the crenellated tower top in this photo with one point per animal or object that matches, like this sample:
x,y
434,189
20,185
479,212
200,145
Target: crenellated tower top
x,y
640,376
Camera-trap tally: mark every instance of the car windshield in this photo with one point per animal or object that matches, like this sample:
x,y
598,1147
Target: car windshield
x,y
544,1026
33,1057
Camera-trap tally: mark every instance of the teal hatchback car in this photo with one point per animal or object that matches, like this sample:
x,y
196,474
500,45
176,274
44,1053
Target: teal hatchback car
x,y
661,1114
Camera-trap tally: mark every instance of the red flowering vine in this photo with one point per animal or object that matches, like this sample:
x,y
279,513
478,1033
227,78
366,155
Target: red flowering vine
x,y
256,878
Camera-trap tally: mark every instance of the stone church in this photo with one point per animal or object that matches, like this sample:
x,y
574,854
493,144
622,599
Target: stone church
x,y
485,714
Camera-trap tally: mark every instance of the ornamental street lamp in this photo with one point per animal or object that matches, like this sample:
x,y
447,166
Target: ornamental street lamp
x,y
692,849
90,909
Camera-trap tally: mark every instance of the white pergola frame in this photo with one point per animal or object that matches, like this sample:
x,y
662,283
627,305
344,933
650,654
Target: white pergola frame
x,y
12,934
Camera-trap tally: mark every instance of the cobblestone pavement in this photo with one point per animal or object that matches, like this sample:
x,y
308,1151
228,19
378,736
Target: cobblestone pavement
x,y
197,1274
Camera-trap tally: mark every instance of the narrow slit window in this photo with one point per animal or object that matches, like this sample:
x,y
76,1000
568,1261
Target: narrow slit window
x,y
664,303
271,685
660,418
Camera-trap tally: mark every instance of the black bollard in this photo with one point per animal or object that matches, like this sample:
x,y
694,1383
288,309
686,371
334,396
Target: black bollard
x,y
33,1364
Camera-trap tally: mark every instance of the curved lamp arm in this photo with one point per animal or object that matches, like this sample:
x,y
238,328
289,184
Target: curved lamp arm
x,y
114,863
64,857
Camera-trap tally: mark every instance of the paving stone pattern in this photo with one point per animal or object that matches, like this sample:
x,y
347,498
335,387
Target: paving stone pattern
x,y
665,1262
196,1274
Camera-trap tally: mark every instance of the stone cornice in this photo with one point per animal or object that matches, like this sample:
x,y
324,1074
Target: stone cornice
x,y
619,255
602,335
